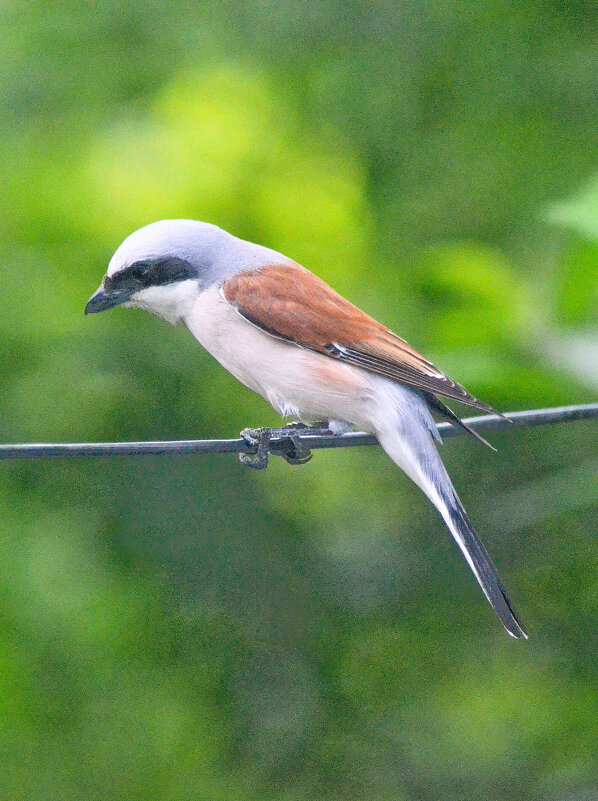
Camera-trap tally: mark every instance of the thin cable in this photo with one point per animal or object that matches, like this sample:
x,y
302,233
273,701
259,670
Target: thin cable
x,y
311,438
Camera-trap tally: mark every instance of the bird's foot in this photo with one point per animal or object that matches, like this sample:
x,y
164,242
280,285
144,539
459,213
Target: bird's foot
x,y
287,443
292,449
259,438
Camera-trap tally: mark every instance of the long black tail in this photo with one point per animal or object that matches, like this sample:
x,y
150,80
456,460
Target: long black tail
x,y
481,565
411,446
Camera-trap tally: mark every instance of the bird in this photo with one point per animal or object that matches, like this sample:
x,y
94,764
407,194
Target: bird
x,y
288,336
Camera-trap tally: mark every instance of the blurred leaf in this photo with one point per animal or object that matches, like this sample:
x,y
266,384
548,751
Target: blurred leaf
x,y
579,214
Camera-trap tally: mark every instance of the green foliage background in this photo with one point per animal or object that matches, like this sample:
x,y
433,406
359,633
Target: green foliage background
x,y
183,628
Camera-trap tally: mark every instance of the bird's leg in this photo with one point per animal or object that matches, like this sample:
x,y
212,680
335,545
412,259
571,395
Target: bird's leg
x,y
292,448
286,442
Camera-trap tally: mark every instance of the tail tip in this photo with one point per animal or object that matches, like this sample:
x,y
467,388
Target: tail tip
x,y
517,633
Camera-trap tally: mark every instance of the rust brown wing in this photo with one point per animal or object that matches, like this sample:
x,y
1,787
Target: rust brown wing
x,y
291,303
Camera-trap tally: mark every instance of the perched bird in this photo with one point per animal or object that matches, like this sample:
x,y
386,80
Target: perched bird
x,y
310,353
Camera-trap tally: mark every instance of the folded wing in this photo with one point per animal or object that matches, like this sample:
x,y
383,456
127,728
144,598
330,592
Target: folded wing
x,y
291,303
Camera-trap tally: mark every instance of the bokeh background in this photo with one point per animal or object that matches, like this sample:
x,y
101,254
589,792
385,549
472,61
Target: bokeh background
x,y
183,628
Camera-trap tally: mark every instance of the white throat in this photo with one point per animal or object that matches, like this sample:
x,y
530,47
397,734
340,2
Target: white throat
x,y
172,302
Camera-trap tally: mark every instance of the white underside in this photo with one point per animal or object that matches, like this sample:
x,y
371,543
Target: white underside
x,y
295,381
309,386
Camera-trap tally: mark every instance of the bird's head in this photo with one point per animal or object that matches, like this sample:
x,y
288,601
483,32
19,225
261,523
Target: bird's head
x,y
165,265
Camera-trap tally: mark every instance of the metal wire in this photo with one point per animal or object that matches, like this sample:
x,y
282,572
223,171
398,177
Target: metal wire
x,y
310,438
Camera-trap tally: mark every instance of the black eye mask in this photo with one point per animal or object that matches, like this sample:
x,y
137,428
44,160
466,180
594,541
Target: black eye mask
x,y
143,274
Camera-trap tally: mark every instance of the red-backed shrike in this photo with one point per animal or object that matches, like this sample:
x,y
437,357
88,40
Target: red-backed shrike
x,y
311,354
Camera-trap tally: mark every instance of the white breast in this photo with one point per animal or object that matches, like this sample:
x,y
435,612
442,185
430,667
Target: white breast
x,y
295,381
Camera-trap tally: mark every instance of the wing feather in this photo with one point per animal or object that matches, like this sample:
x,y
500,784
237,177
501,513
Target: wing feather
x,y
291,303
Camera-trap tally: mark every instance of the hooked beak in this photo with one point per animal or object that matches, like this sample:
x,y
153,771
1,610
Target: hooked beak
x,y
102,300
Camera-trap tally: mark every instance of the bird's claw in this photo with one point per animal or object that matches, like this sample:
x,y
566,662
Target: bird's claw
x,y
294,451
259,437
289,445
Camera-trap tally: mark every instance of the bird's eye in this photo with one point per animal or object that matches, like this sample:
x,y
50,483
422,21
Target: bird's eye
x,y
139,271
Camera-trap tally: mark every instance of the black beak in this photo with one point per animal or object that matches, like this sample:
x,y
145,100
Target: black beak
x,y
102,300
